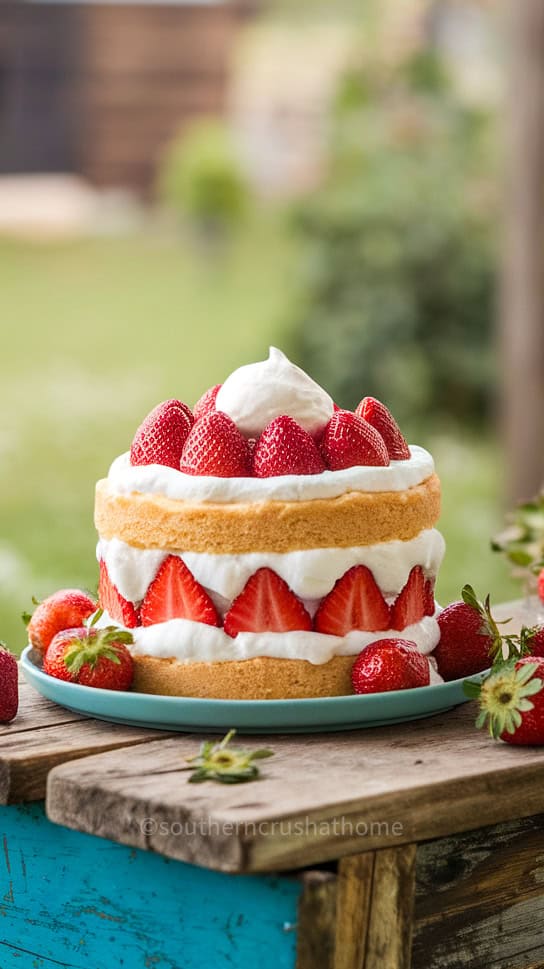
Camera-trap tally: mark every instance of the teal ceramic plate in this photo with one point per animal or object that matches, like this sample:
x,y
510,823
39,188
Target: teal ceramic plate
x,y
248,716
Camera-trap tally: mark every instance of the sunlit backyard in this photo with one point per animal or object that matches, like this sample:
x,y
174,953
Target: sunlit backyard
x,y
96,332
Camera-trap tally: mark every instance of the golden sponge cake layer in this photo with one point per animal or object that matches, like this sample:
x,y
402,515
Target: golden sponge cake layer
x,y
263,678
355,518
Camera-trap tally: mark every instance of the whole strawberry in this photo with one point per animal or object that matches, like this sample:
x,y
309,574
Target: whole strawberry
x,y
541,585
206,404
469,637
62,610
382,420
348,440
284,447
216,447
390,664
91,657
9,685
161,436
534,641
512,701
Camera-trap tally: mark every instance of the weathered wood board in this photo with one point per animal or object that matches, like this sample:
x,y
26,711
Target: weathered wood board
x,y
43,735
480,899
320,797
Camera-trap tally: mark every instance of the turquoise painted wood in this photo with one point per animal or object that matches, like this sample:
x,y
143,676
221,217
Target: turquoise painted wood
x,y
72,900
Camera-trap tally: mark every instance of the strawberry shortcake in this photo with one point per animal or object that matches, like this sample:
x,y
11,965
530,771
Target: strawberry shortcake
x,y
255,545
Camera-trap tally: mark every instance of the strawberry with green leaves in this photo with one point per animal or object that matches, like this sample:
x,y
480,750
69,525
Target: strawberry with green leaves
x,y
469,637
91,657
512,701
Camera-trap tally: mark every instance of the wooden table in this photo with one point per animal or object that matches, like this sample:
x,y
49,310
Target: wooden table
x,y
419,845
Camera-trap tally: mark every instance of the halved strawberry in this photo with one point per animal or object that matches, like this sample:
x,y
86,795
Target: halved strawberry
x,y
111,601
206,404
175,594
161,436
409,606
284,447
430,605
355,602
348,440
382,420
216,447
266,604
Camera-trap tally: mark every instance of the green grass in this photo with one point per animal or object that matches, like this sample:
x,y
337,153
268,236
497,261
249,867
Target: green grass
x,y
95,334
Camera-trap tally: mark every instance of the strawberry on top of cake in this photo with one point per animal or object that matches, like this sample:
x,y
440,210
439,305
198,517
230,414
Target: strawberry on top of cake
x,y
256,544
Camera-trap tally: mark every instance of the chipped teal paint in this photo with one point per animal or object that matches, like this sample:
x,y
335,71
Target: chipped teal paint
x,y
79,902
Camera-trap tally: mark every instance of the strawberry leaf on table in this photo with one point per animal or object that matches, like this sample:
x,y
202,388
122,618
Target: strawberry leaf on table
x,y
225,764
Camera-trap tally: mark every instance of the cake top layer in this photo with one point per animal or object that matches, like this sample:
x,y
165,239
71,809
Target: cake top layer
x,y
269,432
124,478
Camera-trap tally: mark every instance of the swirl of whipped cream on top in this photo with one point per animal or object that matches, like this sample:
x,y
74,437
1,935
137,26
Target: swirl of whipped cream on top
x,y
125,479
255,394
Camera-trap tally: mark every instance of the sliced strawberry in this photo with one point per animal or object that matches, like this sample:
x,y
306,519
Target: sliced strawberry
x,y
430,605
348,440
206,404
382,420
284,447
111,601
216,447
409,606
355,602
266,604
175,594
161,436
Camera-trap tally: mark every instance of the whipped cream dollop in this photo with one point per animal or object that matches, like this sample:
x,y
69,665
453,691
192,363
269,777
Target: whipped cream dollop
x,y
124,479
310,573
257,393
195,642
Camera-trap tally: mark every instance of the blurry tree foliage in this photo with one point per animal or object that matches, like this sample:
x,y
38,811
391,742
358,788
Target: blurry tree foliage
x,y
398,246
200,178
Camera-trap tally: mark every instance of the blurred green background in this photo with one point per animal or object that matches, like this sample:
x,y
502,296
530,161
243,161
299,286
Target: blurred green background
x,y
378,276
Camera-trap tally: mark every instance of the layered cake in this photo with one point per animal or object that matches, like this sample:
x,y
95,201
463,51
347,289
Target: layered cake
x,y
256,545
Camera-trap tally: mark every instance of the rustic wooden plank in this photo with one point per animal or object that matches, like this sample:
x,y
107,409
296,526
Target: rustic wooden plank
x,y
35,712
389,936
319,798
480,899
45,734
317,921
354,894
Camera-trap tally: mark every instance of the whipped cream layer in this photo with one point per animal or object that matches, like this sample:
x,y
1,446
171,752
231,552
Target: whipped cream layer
x,y
124,479
255,394
310,573
195,642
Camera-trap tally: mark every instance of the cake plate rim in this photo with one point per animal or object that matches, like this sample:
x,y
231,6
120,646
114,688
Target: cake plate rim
x,y
197,714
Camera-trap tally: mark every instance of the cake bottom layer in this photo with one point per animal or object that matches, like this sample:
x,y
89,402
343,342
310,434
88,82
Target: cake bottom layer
x,y
262,678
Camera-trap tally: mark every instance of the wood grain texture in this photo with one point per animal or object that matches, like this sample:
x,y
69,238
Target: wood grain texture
x,y
317,921
480,899
320,798
389,936
43,735
354,892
